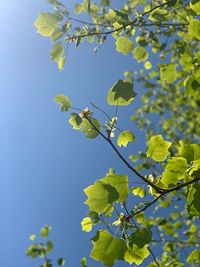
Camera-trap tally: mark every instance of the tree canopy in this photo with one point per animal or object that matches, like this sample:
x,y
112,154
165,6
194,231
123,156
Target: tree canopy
x,y
130,223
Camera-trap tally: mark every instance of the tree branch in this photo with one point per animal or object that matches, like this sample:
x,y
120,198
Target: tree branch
x,y
132,23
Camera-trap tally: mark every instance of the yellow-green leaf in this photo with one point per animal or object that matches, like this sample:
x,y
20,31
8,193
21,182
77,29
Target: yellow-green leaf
x,y
138,191
136,255
124,45
107,249
194,28
124,138
63,101
86,224
47,23
158,148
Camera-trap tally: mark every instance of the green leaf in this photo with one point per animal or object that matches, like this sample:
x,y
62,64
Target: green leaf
x,y
76,121
86,224
49,246
194,28
175,170
100,196
193,203
33,251
195,7
61,63
88,129
141,237
140,53
84,262
64,102
194,257
119,182
168,72
47,23
124,45
107,249
32,237
44,232
61,262
158,148
112,16
136,255
124,138
138,191
121,94
57,52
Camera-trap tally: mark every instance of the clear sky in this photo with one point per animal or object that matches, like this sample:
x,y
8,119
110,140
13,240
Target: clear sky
x,y
44,164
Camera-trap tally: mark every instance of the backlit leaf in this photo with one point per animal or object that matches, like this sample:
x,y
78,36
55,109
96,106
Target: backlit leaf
x,y
119,182
100,196
194,28
107,249
158,148
138,191
135,254
86,224
175,170
168,72
124,138
124,45
63,101
47,23
88,129
140,53
57,52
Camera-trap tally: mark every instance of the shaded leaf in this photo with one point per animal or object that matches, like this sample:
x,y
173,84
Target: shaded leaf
x,y
121,94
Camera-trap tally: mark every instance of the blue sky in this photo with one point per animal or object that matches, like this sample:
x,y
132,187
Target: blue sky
x,y
44,164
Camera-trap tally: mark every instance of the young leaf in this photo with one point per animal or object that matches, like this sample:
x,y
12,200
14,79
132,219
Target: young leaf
x,y
86,224
44,232
158,148
46,23
124,138
76,121
136,255
107,249
32,237
100,196
57,52
63,101
124,45
168,72
61,63
121,94
138,191
140,53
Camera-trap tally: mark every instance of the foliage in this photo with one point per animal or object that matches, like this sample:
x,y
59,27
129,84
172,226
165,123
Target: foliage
x,y
163,37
